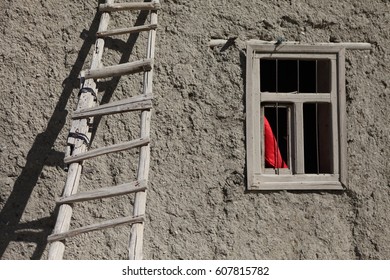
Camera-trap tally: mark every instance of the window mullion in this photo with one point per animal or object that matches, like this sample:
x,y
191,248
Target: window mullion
x,y
289,140
262,149
299,141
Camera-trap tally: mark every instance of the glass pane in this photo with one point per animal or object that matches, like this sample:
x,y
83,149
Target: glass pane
x,y
323,76
317,137
276,137
287,75
268,75
314,76
307,76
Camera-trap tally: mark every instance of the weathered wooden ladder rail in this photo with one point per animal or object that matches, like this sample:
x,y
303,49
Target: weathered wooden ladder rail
x,y
80,133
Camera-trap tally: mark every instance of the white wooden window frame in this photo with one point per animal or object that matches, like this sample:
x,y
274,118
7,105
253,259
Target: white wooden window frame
x,y
258,177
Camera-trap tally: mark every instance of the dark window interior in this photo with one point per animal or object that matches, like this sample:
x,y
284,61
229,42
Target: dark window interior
x,y
290,75
278,119
287,78
301,76
307,76
268,75
317,137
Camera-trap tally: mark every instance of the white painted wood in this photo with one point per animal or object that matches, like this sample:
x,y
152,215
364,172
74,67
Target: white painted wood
x,y
342,118
97,226
335,122
283,55
297,177
328,49
290,49
295,97
299,163
297,182
257,179
260,159
105,192
140,102
289,140
273,171
250,118
258,135
314,186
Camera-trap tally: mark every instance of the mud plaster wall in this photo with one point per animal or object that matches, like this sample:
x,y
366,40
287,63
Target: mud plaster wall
x,y
197,205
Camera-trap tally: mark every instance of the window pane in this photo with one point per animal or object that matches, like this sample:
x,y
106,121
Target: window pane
x,y
268,75
317,137
314,76
287,75
276,137
323,76
307,76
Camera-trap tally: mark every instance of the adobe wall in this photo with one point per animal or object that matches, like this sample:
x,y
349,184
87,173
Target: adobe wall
x,y
197,205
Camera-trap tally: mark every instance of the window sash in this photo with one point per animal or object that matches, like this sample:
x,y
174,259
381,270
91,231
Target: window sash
x,y
258,176
297,100
277,171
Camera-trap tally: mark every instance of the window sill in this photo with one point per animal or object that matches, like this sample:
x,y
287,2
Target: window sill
x,y
296,182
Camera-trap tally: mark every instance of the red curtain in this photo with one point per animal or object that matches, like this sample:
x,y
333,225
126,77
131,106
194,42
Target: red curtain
x,y
273,157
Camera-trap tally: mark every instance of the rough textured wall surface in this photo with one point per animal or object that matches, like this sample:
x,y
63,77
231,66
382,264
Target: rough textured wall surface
x,y
197,205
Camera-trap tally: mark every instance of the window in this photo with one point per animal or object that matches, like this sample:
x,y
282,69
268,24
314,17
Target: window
x,y
295,107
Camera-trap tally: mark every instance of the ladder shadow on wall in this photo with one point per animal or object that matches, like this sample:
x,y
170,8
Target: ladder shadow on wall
x,y
42,153
126,48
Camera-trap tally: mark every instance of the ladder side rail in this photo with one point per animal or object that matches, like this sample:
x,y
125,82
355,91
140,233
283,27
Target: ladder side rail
x,y
86,100
137,230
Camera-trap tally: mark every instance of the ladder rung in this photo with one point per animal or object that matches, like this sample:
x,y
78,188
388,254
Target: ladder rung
x,y
102,225
154,5
141,102
122,189
118,70
121,31
105,150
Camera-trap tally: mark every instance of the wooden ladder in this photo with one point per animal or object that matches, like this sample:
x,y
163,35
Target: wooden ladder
x,y
80,133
